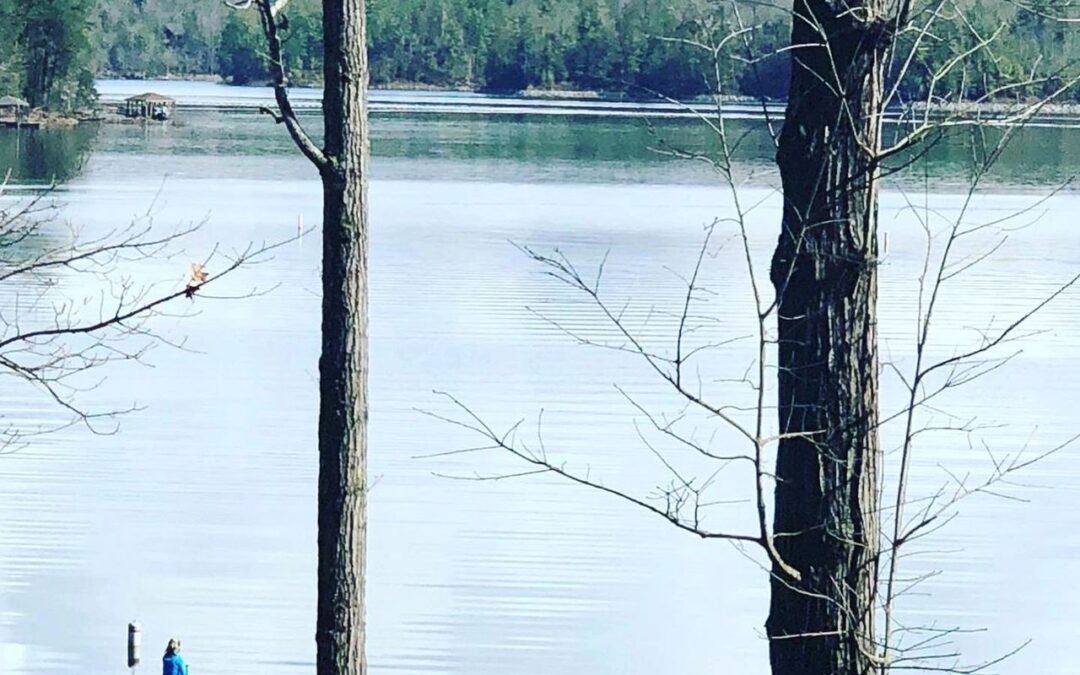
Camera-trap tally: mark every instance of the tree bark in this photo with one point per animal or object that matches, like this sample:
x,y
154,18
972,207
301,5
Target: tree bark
x,y
824,272
343,366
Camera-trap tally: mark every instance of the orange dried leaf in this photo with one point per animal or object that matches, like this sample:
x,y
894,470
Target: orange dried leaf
x,y
198,274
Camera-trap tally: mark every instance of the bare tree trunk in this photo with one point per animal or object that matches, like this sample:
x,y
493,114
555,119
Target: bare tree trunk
x,y
343,366
824,271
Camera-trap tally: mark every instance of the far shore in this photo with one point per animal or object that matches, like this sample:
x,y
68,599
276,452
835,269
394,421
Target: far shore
x,y
997,109
555,93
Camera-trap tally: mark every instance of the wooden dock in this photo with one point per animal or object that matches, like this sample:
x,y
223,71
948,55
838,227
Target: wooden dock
x,y
20,124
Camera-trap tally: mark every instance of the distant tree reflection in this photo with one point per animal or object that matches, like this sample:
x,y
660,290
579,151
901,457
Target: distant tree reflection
x,y
46,155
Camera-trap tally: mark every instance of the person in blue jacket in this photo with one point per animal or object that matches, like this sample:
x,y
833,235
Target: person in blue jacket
x,y
172,663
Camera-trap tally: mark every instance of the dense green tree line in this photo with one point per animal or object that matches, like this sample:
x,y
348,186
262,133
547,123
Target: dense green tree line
x,y
633,46
613,45
47,55
51,49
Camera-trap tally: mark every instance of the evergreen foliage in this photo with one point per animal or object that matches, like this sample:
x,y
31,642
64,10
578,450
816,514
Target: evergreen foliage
x,y
51,49
622,46
47,54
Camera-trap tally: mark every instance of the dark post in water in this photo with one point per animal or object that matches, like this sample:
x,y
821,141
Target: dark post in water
x,y
134,643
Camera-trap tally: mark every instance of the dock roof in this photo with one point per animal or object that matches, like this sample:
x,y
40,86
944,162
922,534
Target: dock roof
x,y
150,97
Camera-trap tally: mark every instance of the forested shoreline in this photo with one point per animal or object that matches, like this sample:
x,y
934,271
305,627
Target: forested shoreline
x,y
639,48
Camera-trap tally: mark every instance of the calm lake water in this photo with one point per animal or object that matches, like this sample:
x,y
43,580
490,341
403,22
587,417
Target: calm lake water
x,y
197,518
